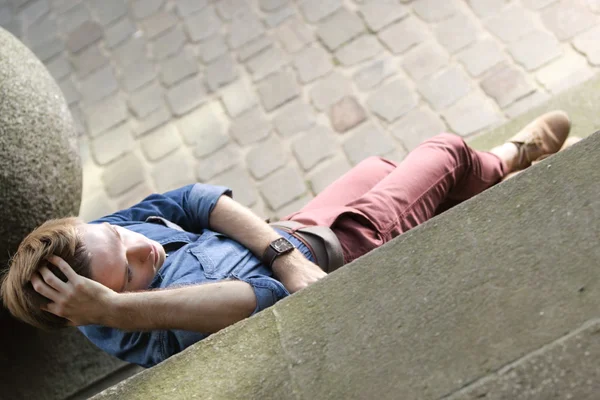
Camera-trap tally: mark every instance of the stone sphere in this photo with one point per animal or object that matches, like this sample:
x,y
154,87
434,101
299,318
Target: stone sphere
x,y
40,167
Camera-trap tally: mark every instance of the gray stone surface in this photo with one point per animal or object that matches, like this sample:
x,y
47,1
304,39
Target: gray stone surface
x,y
587,44
220,72
481,56
342,27
99,85
266,157
238,98
250,127
159,23
172,172
416,126
445,88
168,44
432,10
311,63
294,35
146,100
243,29
535,49
118,33
266,63
212,48
87,33
41,167
316,10
425,60
254,47
329,90
144,8
404,99
202,25
506,84
365,141
116,182
218,162
240,182
88,60
313,146
403,35
293,118
471,114
107,11
104,115
358,50
456,32
137,74
511,24
112,144
186,95
373,73
447,321
566,18
160,143
288,179
278,89
327,173
203,127
346,114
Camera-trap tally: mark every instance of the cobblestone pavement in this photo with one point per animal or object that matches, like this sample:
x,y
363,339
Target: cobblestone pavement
x,y
276,98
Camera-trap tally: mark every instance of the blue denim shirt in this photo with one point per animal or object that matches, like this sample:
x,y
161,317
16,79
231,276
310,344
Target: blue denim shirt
x,y
200,256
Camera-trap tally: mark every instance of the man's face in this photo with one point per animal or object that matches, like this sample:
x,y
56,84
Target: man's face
x,y
121,260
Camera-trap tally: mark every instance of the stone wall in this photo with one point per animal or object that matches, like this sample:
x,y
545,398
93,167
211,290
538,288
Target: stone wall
x,y
497,298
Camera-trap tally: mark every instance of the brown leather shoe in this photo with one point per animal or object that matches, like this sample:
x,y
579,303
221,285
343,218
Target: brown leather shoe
x,y
543,136
568,143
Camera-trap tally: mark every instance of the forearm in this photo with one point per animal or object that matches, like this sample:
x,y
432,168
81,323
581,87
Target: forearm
x,y
204,308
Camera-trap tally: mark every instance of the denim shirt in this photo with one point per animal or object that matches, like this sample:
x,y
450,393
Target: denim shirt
x,y
195,255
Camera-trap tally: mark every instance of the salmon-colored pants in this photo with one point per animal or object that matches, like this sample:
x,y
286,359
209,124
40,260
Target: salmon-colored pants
x,y
379,199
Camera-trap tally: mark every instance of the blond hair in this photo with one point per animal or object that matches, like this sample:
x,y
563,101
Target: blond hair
x,y
59,237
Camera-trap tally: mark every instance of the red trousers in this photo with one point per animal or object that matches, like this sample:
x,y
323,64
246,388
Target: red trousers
x,y
379,199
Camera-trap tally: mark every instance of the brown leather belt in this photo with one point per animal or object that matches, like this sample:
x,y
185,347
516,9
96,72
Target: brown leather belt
x,y
321,241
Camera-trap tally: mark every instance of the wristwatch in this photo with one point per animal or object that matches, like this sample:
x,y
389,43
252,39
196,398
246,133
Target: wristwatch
x,y
276,248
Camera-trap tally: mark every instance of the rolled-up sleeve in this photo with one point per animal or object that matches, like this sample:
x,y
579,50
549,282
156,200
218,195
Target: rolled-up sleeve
x,y
189,207
268,291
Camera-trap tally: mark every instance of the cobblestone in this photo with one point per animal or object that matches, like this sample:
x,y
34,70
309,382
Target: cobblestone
x,y
105,115
527,103
567,18
326,174
155,119
294,206
403,35
99,85
471,114
367,140
36,34
59,68
314,146
293,118
253,48
220,72
266,157
378,14
535,49
312,63
73,18
158,24
116,182
138,74
96,206
537,4
424,60
244,29
108,11
445,88
434,10
228,9
239,181
250,127
135,195
329,90
89,61
482,56
374,73
174,69
266,63
342,27
202,25
112,144
271,5
212,48
282,187
278,89
456,33
69,91
168,44
417,126
404,99
238,98
116,34
316,10
86,34
217,163
146,100
360,49
33,11
189,7
131,51
49,49
511,24
565,72
204,127
276,18
294,36
484,8
144,8
506,84
173,171
587,43
346,114
186,95
157,144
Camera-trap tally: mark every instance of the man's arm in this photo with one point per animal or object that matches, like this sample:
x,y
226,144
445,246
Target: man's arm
x,y
205,308
241,224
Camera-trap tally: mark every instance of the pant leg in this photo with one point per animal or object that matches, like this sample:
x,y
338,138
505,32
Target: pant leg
x,y
411,193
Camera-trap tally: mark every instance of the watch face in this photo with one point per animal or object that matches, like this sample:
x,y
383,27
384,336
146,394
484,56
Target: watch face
x,y
281,245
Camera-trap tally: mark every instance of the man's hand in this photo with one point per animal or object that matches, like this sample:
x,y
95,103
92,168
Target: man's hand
x,y
296,272
80,300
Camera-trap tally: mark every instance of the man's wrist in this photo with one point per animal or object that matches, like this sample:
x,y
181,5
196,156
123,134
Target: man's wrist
x,y
115,310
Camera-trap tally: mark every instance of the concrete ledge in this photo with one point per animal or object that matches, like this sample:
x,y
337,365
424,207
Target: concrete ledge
x,y
445,305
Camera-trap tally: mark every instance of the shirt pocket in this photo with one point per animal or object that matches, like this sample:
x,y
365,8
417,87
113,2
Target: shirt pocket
x,y
220,256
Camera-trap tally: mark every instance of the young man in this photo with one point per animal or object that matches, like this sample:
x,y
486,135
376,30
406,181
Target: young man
x,y
177,267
